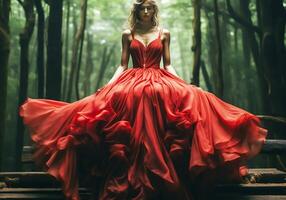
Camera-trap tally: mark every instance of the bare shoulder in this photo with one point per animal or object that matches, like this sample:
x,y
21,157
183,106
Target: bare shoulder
x,y
166,34
165,31
126,34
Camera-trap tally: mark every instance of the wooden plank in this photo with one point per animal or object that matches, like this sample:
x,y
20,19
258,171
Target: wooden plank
x,y
38,190
32,196
268,175
28,179
30,190
273,171
274,146
43,179
27,154
39,197
39,193
250,197
252,189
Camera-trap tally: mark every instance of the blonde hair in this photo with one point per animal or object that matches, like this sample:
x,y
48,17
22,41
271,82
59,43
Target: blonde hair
x,y
134,13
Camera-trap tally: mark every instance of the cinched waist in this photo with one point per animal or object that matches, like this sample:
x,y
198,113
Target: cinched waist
x,y
149,66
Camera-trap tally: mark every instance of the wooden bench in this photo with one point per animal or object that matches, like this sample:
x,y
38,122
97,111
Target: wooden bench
x,y
40,185
269,183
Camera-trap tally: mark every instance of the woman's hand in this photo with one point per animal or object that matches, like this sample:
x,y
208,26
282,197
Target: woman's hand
x,y
171,70
117,73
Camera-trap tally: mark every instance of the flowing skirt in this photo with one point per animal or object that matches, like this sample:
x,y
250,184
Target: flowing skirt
x,y
147,132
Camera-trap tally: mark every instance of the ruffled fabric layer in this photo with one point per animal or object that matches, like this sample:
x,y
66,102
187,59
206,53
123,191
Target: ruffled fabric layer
x,y
149,130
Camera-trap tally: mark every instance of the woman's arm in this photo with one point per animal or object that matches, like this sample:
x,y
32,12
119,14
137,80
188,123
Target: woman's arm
x,y
124,55
166,53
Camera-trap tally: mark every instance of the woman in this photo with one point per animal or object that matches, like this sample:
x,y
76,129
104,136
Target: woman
x,y
147,133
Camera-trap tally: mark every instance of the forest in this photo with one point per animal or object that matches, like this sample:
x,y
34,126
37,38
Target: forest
x,y
67,49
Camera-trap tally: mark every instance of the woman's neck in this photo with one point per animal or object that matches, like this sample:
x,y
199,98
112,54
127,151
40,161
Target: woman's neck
x,y
145,26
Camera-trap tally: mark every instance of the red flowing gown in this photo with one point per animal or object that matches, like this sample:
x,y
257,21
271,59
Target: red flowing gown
x,y
151,132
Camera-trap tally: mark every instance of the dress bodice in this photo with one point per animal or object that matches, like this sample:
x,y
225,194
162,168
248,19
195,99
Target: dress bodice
x,y
146,56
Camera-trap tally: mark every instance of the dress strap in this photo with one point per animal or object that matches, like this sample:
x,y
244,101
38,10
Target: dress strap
x,y
160,32
132,33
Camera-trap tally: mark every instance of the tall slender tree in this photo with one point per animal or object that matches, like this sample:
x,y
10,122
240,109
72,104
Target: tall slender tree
x,y
196,48
82,27
269,53
70,82
181,42
54,50
206,76
25,37
75,51
4,57
106,55
66,46
246,68
220,85
88,63
252,33
273,54
40,48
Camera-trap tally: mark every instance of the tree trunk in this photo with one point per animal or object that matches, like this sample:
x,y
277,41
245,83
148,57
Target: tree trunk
x,y
181,43
104,62
273,53
211,53
229,73
40,48
4,57
82,29
246,48
256,55
70,82
25,37
271,21
66,65
75,53
235,39
196,48
245,14
88,63
219,52
54,51
206,76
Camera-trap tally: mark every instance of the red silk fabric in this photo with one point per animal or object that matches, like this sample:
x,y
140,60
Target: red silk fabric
x,y
150,132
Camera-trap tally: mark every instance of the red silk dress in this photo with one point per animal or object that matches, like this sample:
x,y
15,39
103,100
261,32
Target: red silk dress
x,y
149,133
